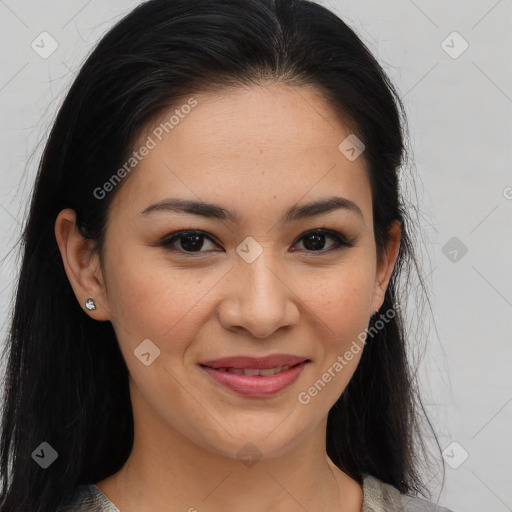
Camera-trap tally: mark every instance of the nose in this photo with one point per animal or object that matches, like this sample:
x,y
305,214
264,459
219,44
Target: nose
x,y
258,299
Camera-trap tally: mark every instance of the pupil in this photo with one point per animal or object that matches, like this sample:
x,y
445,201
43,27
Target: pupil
x,y
191,242
318,242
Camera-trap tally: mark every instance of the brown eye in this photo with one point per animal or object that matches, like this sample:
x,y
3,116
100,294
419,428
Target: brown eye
x,y
318,241
189,242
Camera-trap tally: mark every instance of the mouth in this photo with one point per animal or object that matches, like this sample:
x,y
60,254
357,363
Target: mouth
x,y
260,382
251,363
262,372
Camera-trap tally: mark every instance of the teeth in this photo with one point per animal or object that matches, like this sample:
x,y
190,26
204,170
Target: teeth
x,y
239,371
249,371
265,372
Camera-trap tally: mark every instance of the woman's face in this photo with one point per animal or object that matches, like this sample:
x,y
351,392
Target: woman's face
x,y
251,281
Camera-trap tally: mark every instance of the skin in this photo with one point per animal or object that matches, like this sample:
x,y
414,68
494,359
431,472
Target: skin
x,y
257,151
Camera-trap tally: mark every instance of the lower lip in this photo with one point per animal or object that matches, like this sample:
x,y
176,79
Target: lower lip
x,y
256,385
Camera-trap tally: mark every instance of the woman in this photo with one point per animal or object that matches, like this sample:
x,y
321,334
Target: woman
x,y
208,311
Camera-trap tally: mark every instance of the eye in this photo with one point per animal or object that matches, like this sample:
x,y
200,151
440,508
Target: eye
x,y
317,239
189,241
195,241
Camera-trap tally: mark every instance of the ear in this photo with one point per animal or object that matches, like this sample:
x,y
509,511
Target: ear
x,y
82,264
385,265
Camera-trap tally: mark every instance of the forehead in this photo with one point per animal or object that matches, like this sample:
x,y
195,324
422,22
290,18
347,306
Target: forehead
x,y
248,146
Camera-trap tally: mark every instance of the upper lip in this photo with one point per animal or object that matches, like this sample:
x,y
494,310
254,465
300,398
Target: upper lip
x,y
244,362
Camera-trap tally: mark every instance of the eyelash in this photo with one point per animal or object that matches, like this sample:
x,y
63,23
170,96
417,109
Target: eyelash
x,y
340,241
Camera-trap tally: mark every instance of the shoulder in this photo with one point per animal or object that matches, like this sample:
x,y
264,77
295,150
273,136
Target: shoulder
x,y
379,497
88,498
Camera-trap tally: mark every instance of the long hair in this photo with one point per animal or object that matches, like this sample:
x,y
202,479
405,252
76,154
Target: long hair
x,y
66,382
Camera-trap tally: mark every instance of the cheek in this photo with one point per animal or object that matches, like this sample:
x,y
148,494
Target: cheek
x,y
340,298
152,301
339,303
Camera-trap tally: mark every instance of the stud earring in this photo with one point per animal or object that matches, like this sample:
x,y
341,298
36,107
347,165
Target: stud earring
x,y
89,304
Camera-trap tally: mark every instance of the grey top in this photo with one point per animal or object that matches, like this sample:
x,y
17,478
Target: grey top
x,y
378,497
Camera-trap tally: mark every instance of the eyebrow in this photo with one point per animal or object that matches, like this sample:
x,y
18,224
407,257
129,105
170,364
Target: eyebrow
x,y
209,210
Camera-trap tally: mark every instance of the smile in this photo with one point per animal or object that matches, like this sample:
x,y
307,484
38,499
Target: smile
x,y
264,372
256,382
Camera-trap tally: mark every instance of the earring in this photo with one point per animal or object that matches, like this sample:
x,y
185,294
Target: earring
x,y
89,304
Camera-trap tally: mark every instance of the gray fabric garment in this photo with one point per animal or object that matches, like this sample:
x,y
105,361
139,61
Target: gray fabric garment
x,y
378,497
382,497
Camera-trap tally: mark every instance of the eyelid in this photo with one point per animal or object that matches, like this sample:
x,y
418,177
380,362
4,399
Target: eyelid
x,y
340,239
167,240
325,231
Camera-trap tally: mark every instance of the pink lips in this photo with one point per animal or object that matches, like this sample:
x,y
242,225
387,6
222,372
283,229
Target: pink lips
x,y
255,385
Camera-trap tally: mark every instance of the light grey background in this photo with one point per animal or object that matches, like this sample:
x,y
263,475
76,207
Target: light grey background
x,y
460,112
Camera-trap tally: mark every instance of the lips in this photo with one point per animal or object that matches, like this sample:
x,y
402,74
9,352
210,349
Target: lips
x,y
255,386
256,377
253,364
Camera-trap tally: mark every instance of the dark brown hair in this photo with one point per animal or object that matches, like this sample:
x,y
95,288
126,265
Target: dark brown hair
x,y
66,382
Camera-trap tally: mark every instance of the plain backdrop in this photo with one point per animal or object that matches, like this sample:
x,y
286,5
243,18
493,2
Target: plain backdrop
x,y
450,61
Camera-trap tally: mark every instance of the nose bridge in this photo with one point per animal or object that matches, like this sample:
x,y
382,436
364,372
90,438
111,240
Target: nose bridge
x,y
260,301
264,289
